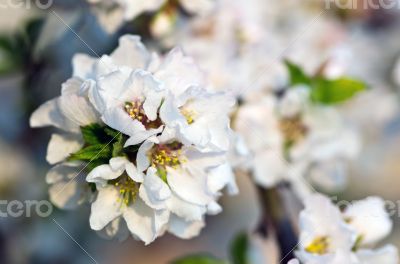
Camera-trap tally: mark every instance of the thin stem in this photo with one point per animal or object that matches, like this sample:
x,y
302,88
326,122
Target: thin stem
x,y
274,218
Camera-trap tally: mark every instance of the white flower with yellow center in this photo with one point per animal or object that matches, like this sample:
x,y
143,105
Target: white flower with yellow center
x,y
144,175
171,188
331,236
287,136
130,85
200,117
192,178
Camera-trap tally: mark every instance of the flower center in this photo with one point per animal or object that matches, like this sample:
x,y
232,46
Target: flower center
x,y
166,155
189,115
318,246
128,189
136,111
293,129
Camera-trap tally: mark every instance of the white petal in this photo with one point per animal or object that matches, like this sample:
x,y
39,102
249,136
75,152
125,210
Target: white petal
x,y
179,72
112,90
48,114
269,168
220,177
71,86
187,211
370,219
170,114
62,172
214,208
117,229
118,119
61,146
184,229
118,163
78,109
142,160
82,65
141,136
387,255
105,208
141,221
104,66
133,173
131,52
67,195
154,191
103,173
188,187
67,190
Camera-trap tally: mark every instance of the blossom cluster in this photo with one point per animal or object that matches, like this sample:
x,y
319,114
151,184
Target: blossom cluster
x,y
329,235
150,137
308,141
146,139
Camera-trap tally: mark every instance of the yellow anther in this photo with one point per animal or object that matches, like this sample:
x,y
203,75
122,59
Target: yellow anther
x,y
319,246
189,115
293,129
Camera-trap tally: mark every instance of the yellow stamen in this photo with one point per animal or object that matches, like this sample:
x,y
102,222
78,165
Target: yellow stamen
x,y
319,246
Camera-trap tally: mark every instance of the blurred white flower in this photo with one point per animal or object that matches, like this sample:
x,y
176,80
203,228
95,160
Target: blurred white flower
x,y
288,135
331,236
113,13
370,220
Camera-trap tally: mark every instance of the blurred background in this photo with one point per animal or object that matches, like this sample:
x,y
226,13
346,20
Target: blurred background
x,y
36,46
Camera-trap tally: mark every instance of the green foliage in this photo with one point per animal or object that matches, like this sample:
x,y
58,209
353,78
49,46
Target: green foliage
x,y
335,91
93,134
100,145
322,90
10,60
16,49
93,152
297,75
118,145
239,248
199,259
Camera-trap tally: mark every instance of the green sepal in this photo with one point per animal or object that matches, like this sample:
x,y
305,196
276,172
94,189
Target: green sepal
x,y
90,153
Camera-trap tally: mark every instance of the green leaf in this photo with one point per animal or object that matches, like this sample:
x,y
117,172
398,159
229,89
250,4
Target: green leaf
x,y
32,30
239,249
297,75
111,132
199,259
91,153
118,146
335,91
93,134
10,59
